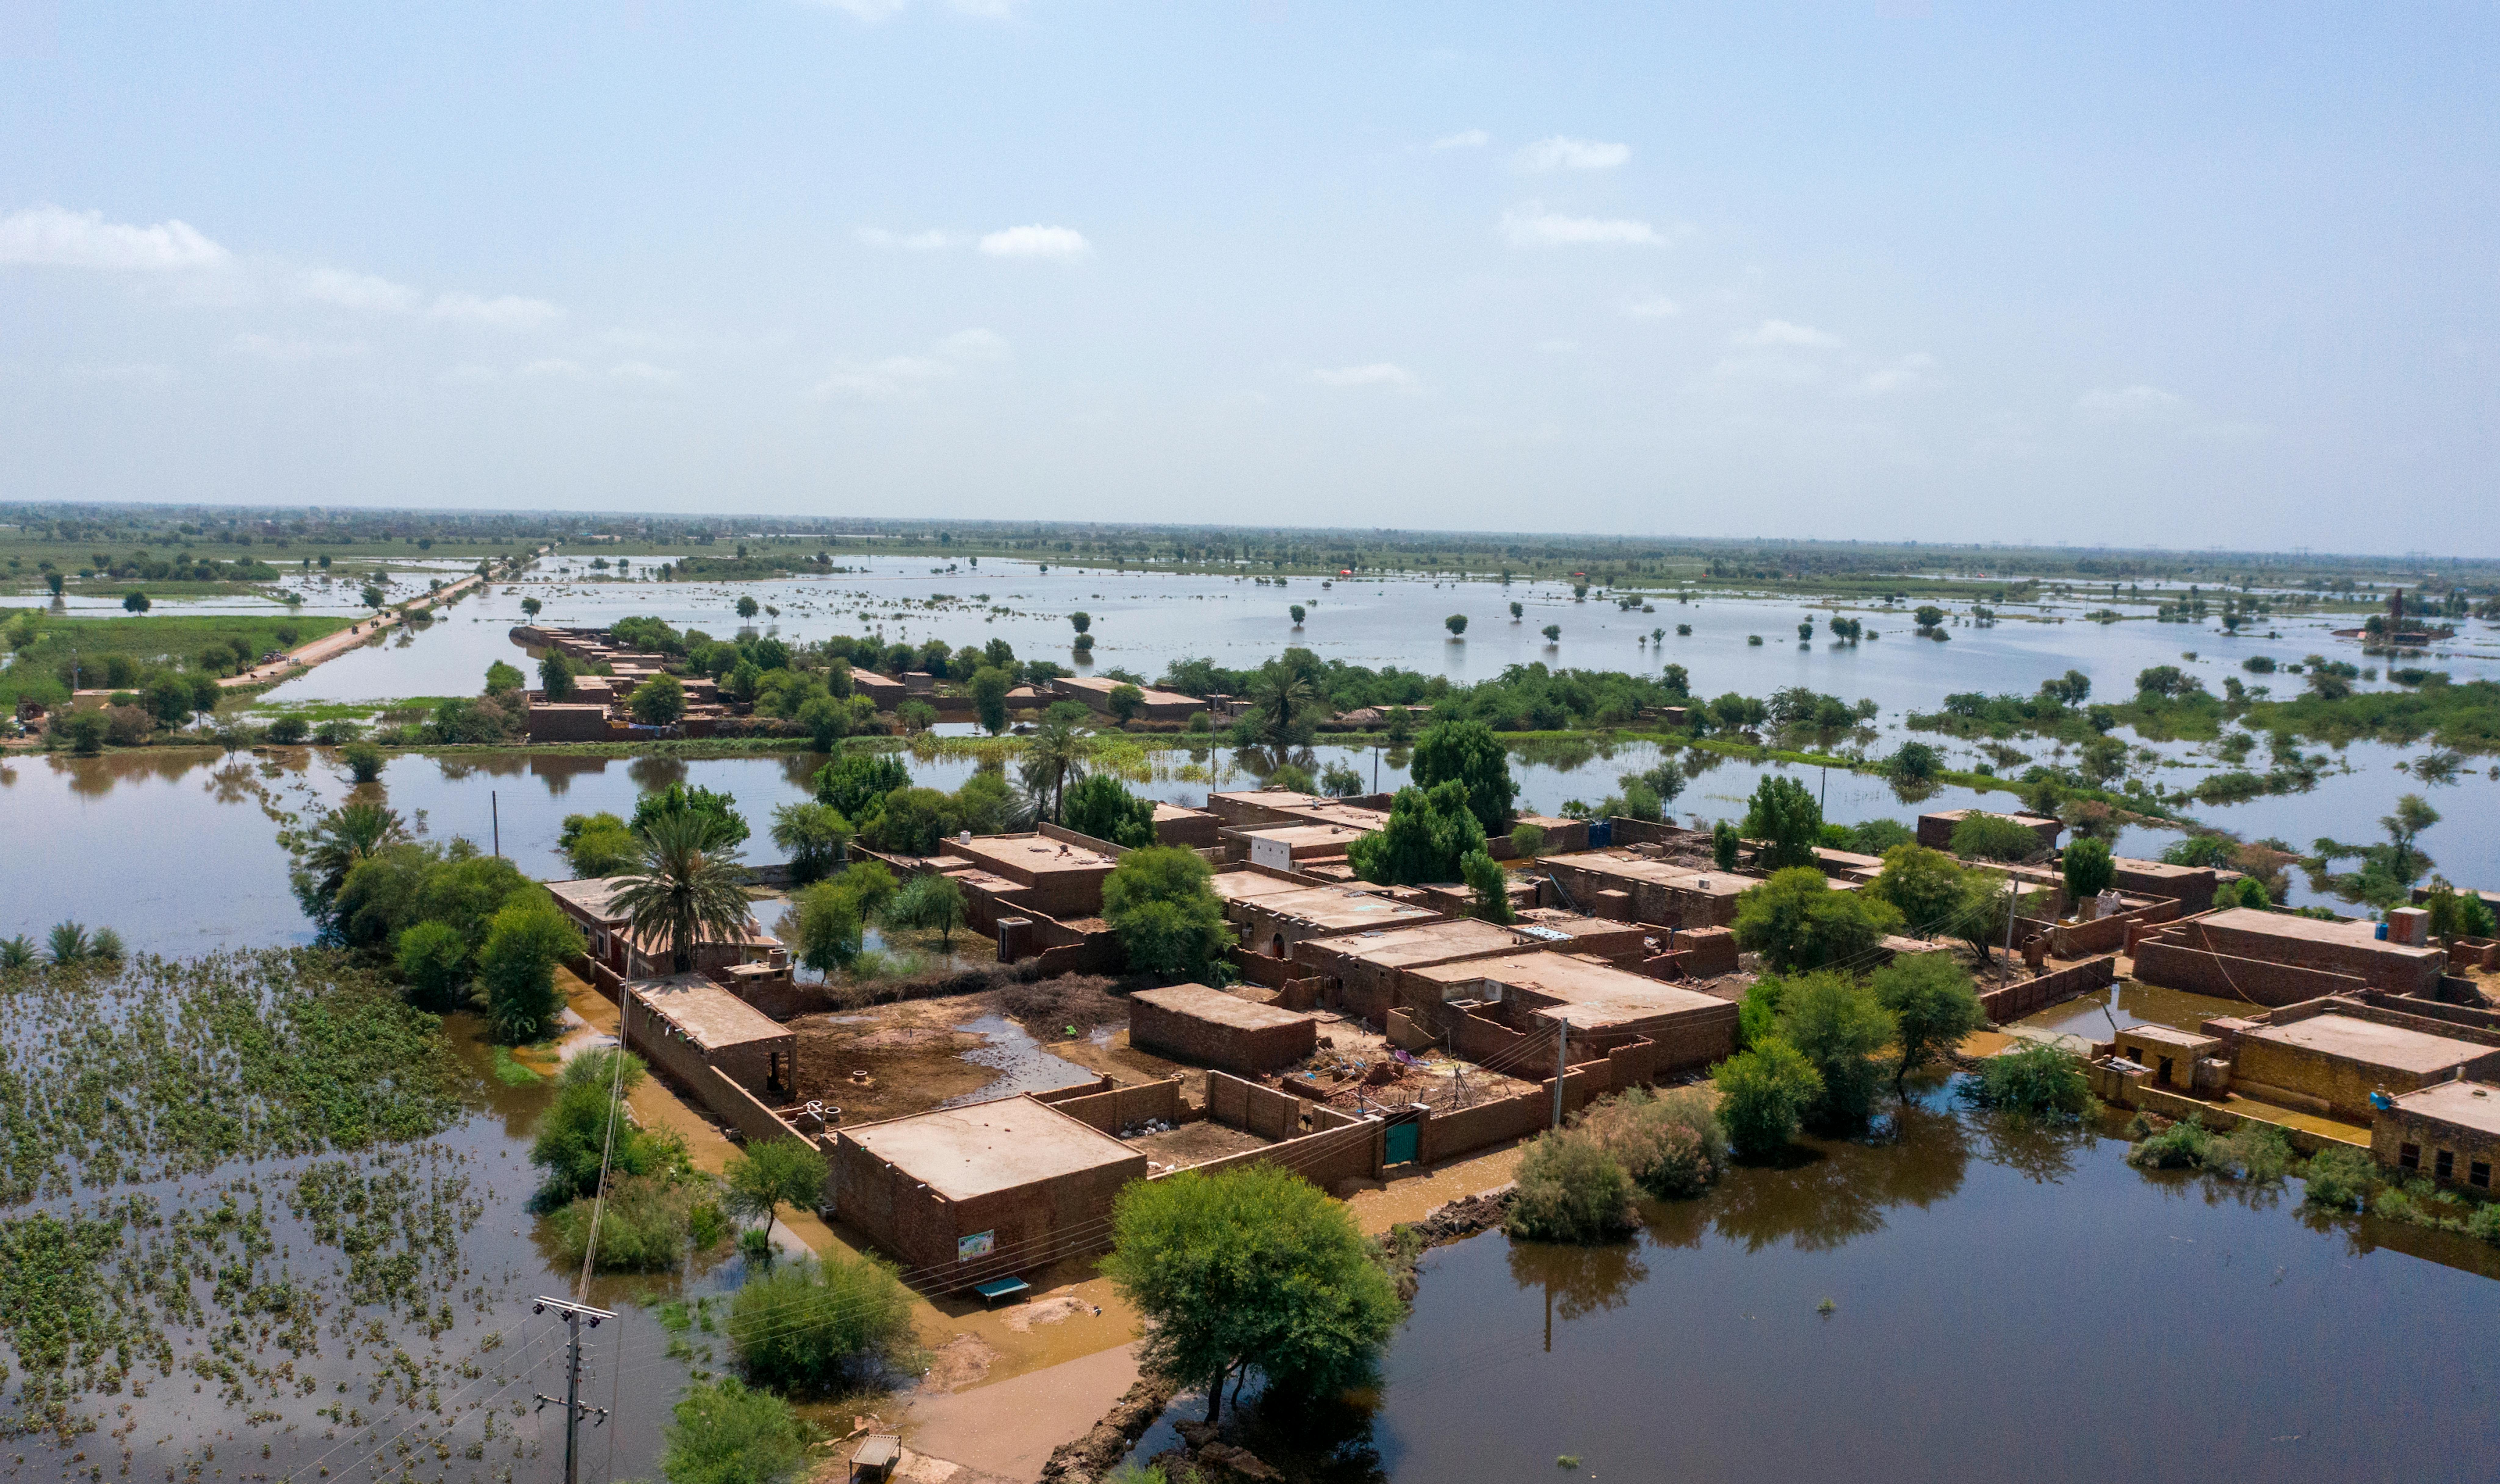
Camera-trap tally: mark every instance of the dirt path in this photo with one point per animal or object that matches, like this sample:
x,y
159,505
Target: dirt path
x,y
330,646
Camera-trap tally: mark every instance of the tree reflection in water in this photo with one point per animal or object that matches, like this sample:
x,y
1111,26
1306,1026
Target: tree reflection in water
x,y
1578,1281
1827,1194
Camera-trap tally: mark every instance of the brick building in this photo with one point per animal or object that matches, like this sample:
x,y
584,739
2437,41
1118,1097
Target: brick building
x,y
2275,958
2450,1131
1627,886
1210,1028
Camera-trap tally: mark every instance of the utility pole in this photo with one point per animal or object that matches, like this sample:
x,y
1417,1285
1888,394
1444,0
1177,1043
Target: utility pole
x,y
495,818
2013,896
1562,1064
574,1314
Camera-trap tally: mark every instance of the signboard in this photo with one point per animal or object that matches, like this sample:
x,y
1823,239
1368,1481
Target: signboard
x,y
977,1244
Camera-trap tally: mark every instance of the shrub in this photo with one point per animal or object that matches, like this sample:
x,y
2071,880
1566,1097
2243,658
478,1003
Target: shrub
x,y
364,761
1995,837
1571,1190
2036,1079
1490,884
1526,841
516,966
1838,1027
1725,843
725,1433
288,730
1797,922
1670,1143
644,1226
432,959
598,845
2339,1177
810,1326
1764,1095
336,732
572,1132
659,701
2090,869
1101,806
85,731
2254,1152
1932,1005
2185,1144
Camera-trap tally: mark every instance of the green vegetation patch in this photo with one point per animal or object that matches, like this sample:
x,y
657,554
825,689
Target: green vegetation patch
x,y
49,649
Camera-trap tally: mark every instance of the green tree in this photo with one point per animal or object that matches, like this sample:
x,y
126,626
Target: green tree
x,y
1467,752
1081,621
1124,702
2412,815
1251,1270
134,601
1764,1095
351,833
829,719
432,959
1985,836
1725,843
747,607
1160,901
1837,1024
1933,1006
530,607
916,715
1798,923
911,821
1553,634
85,731
820,1327
1457,624
598,844
990,687
1517,610
1429,832
2090,869
2036,1079
1054,757
516,966
777,1172
1490,884
1296,610
686,889
932,900
1784,816
364,761
1927,888
573,1139
1279,701
722,1432
815,836
855,781
659,701
503,678
1103,807
723,826
372,597
1570,1190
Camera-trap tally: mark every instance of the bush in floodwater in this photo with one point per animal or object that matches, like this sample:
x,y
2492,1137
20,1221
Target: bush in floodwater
x,y
2484,1224
813,1326
644,1226
1671,1144
723,1433
1571,1190
1765,1093
2339,1177
572,1132
2037,1079
2185,1144
2254,1152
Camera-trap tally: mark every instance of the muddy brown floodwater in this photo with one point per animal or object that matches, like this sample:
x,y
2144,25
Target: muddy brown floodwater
x,y
2005,1305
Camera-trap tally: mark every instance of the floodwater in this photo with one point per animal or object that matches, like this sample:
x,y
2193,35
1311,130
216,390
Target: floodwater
x,y
1023,1063
177,850
2005,1305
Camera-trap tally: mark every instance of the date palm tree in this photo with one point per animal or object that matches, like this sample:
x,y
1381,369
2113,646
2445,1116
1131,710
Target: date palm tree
x,y
687,891
1054,757
353,832
1280,699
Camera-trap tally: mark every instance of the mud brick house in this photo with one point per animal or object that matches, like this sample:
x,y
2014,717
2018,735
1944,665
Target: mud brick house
x,y
617,953
1057,875
1361,972
2450,1131
688,1025
1272,922
964,1195
1491,1006
1191,829
1627,886
2274,958
1210,1028
2330,1055
2192,888
1936,830
1153,706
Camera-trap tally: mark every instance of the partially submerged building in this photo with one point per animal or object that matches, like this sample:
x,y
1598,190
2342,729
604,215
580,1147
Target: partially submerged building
x,y
1153,705
1040,894
2448,1130
753,959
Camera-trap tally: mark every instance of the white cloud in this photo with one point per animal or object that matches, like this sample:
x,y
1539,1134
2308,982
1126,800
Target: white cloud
x,y
935,240
1780,334
1650,307
55,237
1464,138
355,291
2132,405
509,311
1562,153
1534,226
1377,374
906,375
1906,374
1063,244
293,348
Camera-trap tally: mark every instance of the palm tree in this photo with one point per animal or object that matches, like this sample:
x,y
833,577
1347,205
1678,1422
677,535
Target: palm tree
x,y
1054,757
687,891
347,835
1280,697
18,953
68,944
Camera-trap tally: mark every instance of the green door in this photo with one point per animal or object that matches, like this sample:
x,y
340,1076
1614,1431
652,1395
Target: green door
x,y
1404,1141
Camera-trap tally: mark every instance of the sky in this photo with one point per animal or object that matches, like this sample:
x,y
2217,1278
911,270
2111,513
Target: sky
x,y
2167,274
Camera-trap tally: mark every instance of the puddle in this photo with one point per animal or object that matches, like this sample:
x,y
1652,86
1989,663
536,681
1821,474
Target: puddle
x,y
1023,1064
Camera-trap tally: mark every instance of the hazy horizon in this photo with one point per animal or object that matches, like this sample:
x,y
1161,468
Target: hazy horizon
x,y
2167,279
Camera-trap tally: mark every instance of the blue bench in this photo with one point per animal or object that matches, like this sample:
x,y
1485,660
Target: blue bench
x,y
996,1289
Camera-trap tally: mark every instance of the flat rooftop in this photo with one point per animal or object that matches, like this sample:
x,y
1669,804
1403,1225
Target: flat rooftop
x,y
2283,924
1341,909
710,1017
1254,885
1309,839
1164,811
1200,1003
594,896
1034,856
983,1147
2473,1106
2395,1047
1581,992
1096,684
2163,1035
1356,816
1422,943
1682,877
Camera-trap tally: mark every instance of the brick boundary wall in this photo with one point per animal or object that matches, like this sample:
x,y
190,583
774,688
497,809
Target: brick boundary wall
x,y
1123,1108
2011,1003
2225,976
